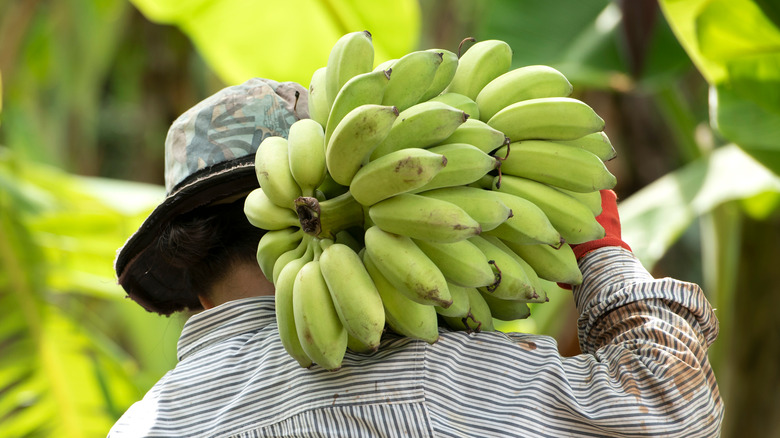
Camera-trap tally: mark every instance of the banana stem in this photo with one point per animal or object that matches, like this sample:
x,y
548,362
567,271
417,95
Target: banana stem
x,y
325,219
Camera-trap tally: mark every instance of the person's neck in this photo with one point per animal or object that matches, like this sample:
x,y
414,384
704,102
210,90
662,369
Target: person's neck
x,y
243,281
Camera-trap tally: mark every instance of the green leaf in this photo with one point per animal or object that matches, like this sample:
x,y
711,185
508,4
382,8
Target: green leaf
x,y
736,46
654,217
283,40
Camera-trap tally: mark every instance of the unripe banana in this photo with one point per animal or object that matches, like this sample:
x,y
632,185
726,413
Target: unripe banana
x,y
529,224
425,218
591,199
306,149
397,172
533,277
514,283
412,75
597,143
506,310
355,137
478,319
460,102
275,243
351,55
484,206
272,167
320,331
290,255
444,74
318,97
556,164
355,297
262,213
407,268
573,219
547,118
404,316
363,89
523,83
285,315
460,302
552,264
478,133
461,263
465,164
422,125
385,65
480,64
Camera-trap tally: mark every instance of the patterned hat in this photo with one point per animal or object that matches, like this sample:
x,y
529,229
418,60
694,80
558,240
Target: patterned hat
x,y
209,157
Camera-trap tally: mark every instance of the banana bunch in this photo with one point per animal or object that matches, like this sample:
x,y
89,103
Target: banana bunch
x,y
436,188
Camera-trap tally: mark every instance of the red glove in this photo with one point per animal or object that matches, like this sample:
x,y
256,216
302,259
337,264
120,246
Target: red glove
x,y
608,219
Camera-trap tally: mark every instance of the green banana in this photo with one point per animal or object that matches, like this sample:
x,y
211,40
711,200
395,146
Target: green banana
x,y
363,89
558,165
262,213
591,199
351,55
412,75
355,137
558,265
397,172
461,262
460,302
318,97
404,316
506,310
420,217
322,335
275,243
272,168
540,295
573,219
289,255
514,282
444,74
385,65
306,150
478,319
547,118
481,63
597,143
460,102
529,223
523,83
478,133
285,315
407,268
484,206
465,165
354,294
422,125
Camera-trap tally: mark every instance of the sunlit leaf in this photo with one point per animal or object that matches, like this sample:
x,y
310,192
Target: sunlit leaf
x,y
653,218
284,40
736,47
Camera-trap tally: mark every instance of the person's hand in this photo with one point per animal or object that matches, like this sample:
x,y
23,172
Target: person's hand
x,y
608,219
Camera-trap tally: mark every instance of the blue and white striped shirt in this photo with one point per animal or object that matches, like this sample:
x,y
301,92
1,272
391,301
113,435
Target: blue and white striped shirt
x,y
643,372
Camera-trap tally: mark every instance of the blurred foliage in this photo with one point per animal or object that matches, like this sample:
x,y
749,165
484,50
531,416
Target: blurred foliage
x,y
91,86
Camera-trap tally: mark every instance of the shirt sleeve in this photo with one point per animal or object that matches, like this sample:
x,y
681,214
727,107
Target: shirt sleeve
x,y
643,370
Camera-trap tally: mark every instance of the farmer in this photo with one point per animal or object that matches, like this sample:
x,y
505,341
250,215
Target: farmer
x,y
643,370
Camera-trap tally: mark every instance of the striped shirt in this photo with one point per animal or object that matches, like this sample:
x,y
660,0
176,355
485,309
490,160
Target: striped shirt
x,y
643,372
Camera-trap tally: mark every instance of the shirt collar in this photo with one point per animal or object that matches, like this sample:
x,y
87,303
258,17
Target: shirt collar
x,y
224,321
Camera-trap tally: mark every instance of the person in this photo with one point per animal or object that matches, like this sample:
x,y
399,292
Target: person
x,y
643,370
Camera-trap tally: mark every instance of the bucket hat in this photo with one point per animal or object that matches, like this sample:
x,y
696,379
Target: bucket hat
x,y
209,158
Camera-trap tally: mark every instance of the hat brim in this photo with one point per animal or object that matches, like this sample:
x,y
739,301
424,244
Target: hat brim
x,y
138,262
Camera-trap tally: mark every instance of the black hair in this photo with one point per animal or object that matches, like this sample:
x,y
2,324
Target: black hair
x,y
203,245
